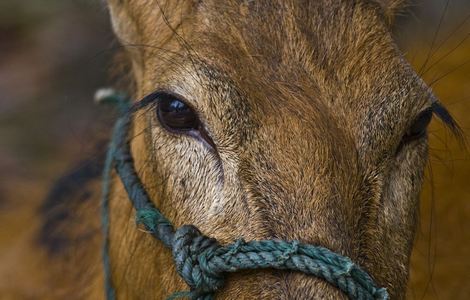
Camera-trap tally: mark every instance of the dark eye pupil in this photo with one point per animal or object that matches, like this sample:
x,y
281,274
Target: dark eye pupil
x,y
174,114
419,126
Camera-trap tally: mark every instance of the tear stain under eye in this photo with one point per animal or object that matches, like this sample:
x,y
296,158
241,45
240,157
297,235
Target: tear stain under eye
x,y
202,136
150,102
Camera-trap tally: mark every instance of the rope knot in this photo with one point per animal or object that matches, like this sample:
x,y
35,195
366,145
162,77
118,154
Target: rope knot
x,y
192,252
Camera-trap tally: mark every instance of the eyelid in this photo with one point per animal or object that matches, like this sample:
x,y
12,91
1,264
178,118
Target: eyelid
x,y
422,119
428,110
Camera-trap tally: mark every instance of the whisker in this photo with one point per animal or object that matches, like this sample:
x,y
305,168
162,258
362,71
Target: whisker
x,y
435,37
448,73
430,256
447,54
190,51
455,30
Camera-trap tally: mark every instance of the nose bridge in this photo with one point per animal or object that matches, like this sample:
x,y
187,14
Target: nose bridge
x,y
293,191
296,142
295,176
282,285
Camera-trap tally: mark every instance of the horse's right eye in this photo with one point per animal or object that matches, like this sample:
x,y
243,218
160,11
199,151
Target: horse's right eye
x,y
175,115
419,127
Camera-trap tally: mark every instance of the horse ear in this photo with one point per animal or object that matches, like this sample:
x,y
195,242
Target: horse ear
x,y
392,8
132,20
123,25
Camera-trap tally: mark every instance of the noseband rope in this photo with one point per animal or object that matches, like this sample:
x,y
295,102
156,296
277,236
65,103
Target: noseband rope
x,y
200,260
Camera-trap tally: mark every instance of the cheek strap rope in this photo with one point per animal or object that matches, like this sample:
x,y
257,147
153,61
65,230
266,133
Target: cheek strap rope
x,y
200,260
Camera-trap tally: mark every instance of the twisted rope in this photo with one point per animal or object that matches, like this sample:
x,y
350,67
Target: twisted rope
x,y
200,260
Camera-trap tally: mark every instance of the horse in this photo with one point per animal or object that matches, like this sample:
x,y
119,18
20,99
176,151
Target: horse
x,y
289,120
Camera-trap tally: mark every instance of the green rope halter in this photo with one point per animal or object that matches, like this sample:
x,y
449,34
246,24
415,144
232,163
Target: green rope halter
x,y
201,261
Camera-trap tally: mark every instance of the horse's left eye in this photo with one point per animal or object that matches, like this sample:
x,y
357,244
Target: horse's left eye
x,y
419,126
176,115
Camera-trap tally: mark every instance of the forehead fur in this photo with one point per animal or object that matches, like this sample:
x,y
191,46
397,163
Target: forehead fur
x,y
282,38
138,20
258,36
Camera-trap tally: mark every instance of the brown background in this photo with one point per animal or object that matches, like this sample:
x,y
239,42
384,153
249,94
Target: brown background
x,y
55,53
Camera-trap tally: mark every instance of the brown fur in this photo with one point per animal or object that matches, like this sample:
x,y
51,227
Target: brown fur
x,y
306,101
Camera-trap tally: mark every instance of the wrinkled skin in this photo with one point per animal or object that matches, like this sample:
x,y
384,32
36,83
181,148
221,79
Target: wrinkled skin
x,y
306,103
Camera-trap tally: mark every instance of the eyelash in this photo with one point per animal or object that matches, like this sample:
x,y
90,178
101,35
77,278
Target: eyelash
x,y
418,127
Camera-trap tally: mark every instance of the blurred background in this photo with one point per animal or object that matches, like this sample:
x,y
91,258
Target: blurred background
x,y
54,54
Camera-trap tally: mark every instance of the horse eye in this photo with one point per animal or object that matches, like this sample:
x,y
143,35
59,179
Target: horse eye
x,y
175,115
419,126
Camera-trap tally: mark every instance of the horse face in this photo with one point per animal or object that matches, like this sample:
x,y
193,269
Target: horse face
x,y
273,120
